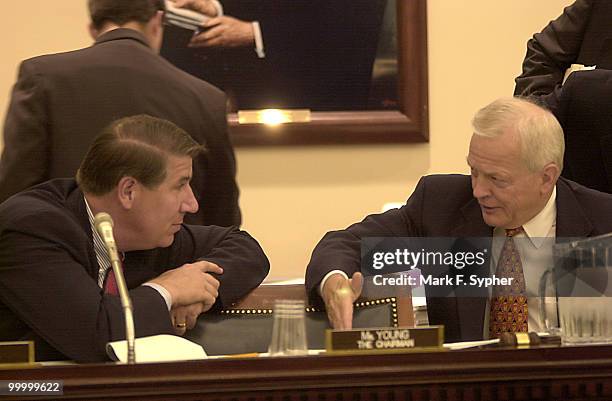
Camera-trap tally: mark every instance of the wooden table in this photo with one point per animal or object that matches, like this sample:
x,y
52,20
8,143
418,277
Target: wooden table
x,y
553,373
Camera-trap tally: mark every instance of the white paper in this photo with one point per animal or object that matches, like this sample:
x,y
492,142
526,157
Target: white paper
x,y
160,348
470,344
189,15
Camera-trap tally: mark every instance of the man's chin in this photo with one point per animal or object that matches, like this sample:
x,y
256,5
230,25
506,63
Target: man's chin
x,y
166,242
491,220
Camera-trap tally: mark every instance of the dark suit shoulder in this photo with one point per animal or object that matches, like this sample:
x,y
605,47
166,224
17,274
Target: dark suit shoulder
x,y
447,189
453,182
213,97
138,58
595,202
60,62
582,211
42,207
437,201
193,82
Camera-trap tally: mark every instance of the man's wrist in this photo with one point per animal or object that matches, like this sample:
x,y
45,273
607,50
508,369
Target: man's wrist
x,y
327,276
162,291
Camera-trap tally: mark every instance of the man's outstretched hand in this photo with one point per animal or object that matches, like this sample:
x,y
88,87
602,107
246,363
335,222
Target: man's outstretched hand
x,y
339,294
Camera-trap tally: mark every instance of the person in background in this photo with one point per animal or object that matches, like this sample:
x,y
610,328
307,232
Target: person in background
x,y
60,102
581,38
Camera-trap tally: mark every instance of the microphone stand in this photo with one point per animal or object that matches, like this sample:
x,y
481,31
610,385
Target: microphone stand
x,y
104,225
128,310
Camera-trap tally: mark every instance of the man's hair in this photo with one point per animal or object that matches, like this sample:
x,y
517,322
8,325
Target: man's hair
x,y
121,12
540,135
137,147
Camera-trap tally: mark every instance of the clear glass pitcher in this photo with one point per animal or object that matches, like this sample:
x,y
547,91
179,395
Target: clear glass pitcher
x,y
580,287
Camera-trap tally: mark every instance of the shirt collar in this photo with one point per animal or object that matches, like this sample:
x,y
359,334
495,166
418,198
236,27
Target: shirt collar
x,y
542,225
99,248
92,224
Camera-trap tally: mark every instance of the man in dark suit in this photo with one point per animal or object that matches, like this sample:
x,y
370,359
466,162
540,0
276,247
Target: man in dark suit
x,y
56,285
61,101
581,35
584,113
316,54
515,156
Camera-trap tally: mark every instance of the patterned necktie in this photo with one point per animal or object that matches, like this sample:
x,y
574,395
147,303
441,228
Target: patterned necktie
x,y
509,303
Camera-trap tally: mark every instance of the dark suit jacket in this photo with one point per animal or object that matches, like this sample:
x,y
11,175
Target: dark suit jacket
x,y
443,206
319,54
584,113
48,274
581,35
61,102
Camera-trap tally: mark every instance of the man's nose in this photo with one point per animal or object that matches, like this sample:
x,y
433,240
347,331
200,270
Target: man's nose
x,y
190,203
480,187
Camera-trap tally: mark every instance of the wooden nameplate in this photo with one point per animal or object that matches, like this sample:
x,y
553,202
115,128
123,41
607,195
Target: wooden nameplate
x,y
16,352
385,340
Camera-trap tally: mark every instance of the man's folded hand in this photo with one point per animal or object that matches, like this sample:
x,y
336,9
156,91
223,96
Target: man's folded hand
x,y
191,283
185,317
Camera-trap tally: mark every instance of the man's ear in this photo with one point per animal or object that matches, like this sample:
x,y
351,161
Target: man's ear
x,y
93,32
127,190
158,19
154,30
550,175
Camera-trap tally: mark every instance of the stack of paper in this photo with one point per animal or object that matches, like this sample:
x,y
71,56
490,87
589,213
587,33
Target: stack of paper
x,y
160,348
184,18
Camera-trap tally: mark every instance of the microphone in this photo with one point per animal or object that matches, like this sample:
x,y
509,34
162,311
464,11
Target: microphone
x,y
104,226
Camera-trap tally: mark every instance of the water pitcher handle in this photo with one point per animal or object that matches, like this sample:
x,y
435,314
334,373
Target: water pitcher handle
x,y
546,290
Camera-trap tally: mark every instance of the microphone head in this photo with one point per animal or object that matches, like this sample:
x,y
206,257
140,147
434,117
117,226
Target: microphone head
x,y
104,227
101,218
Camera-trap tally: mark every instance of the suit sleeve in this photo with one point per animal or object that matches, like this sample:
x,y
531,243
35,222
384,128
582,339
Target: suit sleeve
x,y
341,250
25,157
244,262
552,51
44,280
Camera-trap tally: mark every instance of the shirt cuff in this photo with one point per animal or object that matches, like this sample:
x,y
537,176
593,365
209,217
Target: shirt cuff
x,y
259,44
163,292
218,7
328,275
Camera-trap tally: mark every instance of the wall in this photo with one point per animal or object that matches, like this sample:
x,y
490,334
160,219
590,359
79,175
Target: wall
x,y
292,196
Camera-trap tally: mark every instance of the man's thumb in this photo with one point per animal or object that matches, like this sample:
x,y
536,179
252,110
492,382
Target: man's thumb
x,y
357,284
